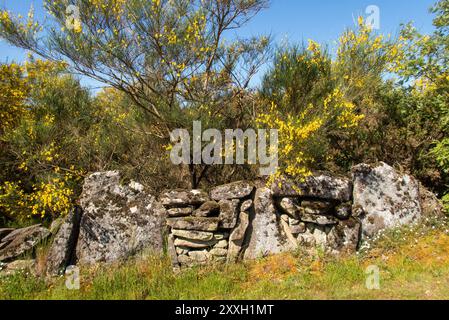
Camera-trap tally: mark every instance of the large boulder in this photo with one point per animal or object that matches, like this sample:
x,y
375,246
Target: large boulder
x,y
118,221
385,197
22,241
265,232
321,186
61,253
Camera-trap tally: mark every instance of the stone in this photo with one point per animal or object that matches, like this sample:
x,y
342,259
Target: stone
x,y
293,222
118,221
238,233
55,225
431,206
320,235
343,211
194,244
207,209
22,241
290,207
221,236
287,231
181,251
265,235
219,252
344,237
181,197
317,207
194,223
319,220
322,185
388,198
180,212
61,253
199,256
193,235
18,266
221,244
298,228
237,237
184,259
246,205
4,232
228,213
235,190
314,237
171,250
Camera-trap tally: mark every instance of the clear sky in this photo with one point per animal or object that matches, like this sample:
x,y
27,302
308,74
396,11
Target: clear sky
x,y
295,20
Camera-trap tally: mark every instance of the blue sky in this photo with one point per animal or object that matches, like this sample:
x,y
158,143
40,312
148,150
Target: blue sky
x,y
295,20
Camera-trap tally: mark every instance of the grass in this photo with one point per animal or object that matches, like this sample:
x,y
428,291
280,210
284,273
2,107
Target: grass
x,y
413,264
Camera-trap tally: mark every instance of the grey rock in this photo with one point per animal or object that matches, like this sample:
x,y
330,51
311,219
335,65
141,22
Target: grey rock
x,y
319,220
246,205
61,253
288,232
343,211
235,190
298,228
266,237
317,207
185,260
313,238
194,223
19,266
171,250
431,206
181,197
4,232
221,236
237,237
219,252
193,235
55,225
387,198
181,251
194,244
344,237
293,222
22,241
118,221
180,212
323,186
221,244
290,207
199,257
228,213
209,208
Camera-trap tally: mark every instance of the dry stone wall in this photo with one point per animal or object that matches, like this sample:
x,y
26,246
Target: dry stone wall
x,y
241,220
207,227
